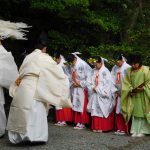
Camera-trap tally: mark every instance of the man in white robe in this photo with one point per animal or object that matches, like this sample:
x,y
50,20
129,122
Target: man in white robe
x,y
40,83
8,74
118,72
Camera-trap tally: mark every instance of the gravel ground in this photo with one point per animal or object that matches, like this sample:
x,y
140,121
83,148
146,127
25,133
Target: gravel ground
x,y
66,138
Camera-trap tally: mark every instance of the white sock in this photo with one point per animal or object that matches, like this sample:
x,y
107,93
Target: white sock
x,y
78,124
82,125
63,122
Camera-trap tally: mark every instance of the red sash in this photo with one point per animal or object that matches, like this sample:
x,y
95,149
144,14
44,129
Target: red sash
x,y
96,79
74,75
118,78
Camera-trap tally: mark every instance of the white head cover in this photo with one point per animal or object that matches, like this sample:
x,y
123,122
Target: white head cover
x,y
124,59
14,30
76,54
104,60
62,61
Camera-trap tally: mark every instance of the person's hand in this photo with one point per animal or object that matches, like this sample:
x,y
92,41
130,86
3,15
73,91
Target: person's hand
x,y
118,93
78,84
137,90
74,85
132,94
94,89
141,89
18,81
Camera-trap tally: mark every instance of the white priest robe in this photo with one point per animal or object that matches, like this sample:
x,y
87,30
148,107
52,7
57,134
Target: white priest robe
x,y
42,83
118,74
101,102
8,74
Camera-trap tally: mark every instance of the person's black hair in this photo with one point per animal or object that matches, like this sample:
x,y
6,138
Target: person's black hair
x,y
98,59
57,54
135,58
42,41
70,58
39,46
117,55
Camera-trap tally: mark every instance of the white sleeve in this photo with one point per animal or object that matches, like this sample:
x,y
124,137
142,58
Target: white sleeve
x,y
87,73
8,70
90,83
103,89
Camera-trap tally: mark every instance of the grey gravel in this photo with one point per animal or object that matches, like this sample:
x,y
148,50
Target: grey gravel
x,y
66,138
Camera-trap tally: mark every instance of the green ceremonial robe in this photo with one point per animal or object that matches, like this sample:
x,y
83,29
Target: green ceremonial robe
x,y
137,105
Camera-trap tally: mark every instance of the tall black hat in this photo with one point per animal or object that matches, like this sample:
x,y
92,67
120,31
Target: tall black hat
x,y
43,38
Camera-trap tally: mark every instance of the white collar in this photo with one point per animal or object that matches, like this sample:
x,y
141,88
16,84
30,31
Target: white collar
x,y
38,50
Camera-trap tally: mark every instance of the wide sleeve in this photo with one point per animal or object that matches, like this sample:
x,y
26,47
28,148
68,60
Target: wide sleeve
x,y
113,74
147,83
126,85
52,86
90,83
86,72
8,70
126,99
103,89
147,93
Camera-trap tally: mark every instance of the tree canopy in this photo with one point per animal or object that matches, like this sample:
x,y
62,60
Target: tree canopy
x,y
93,27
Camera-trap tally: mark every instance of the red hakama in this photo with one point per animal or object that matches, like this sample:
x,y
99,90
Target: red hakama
x,y
84,117
64,114
120,123
103,124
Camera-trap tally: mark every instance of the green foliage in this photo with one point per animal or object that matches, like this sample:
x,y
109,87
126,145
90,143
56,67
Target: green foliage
x,y
93,27
58,5
101,26
60,40
108,50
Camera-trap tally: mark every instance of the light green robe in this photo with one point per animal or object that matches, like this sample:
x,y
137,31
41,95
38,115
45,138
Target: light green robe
x,y
139,104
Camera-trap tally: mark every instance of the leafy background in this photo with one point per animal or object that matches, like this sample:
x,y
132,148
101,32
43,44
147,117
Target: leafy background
x,y
93,27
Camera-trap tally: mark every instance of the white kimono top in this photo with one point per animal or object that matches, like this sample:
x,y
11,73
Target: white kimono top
x,y
118,74
101,102
79,73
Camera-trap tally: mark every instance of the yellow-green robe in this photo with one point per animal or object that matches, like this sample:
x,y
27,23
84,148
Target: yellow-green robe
x,y
139,104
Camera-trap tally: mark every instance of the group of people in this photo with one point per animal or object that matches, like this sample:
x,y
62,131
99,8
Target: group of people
x,y
83,95
116,100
